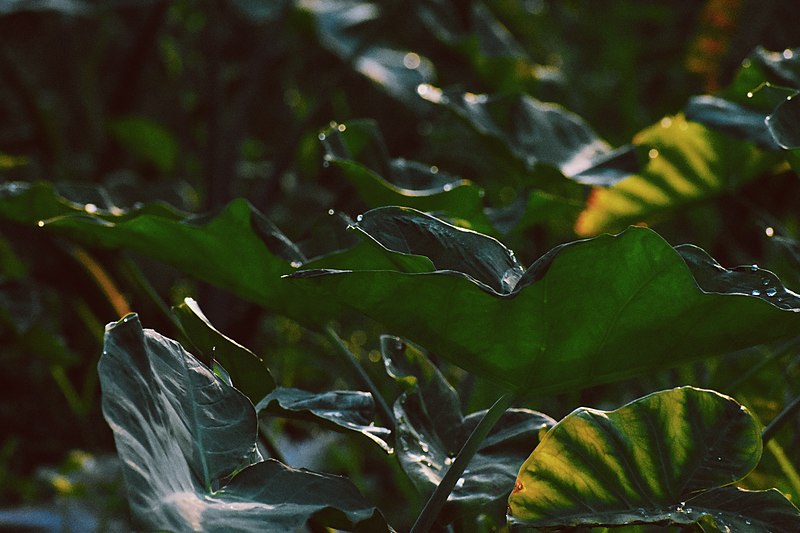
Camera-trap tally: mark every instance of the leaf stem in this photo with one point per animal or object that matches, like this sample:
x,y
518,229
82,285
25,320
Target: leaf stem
x,y
341,348
437,500
778,422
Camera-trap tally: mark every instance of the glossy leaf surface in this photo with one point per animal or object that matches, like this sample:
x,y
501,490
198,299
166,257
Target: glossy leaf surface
x,y
248,371
663,458
431,430
591,311
181,432
342,410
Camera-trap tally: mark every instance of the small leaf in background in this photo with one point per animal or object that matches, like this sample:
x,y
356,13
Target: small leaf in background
x,y
187,441
359,152
147,140
248,372
342,410
536,132
431,430
666,457
592,311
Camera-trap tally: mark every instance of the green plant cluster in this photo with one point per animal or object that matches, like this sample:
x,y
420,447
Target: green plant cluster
x,y
363,263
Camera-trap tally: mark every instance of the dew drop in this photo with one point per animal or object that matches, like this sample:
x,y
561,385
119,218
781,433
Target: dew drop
x,y
787,54
755,292
411,61
40,223
460,483
331,212
765,282
754,267
321,136
359,218
333,124
423,447
749,94
341,127
653,153
90,208
447,187
448,460
326,164
666,122
434,169
769,231
296,264
772,291
747,522
688,509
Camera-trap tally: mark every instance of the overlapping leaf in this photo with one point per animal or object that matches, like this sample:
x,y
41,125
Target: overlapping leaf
x,y
187,442
248,370
343,410
586,312
665,458
431,430
358,150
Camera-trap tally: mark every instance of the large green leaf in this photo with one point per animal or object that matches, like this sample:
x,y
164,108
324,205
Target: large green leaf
x,y
586,312
665,458
182,434
431,430
688,162
341,410
246,369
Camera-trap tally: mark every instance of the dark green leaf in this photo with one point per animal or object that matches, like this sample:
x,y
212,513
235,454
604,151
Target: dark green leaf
x,y
431,430
541,133
181,431
358,150
663,458
349,410
248,371
462,252
732,118
784,123
591,311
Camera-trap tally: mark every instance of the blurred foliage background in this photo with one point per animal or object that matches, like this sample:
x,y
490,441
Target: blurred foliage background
x,y
120,103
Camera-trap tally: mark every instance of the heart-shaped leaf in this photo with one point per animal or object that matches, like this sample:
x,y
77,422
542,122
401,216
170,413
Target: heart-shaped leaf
x,y
182,433
342,410
663,458
431,430
591,311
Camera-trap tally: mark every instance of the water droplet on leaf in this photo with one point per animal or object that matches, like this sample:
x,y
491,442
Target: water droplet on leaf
x,y
331,211
755,292
40,223
341,127
321,136
754,268
772,291
90,208
359,218
296,264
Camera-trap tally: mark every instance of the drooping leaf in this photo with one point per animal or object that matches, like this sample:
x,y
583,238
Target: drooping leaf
x,y
462,252
247,370
591,311
342,410
688,162
431,430
664,458
536,133
380,181
182,434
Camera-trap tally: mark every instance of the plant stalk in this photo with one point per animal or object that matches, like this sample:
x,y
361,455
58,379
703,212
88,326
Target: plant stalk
x,y
437,500
778,422
341,348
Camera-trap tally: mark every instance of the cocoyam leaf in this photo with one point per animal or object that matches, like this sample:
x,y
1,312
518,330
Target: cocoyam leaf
x,y
586,312
187,441
666,458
